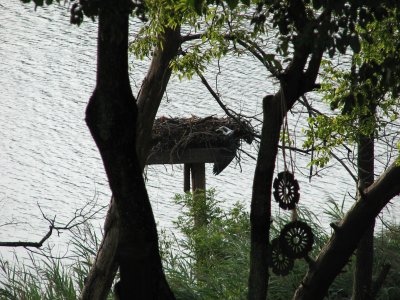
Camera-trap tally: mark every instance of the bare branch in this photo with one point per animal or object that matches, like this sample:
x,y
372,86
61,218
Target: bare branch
x,y
191,37
344,166
258,53
248,154
217,98
29,244
80,217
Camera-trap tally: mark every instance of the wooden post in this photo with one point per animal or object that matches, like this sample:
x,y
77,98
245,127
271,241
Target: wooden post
x,y
198,189
186,177
198,176
199,209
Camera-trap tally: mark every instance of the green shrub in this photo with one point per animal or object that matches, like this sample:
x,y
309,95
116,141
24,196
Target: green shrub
x,y
209,261
212,261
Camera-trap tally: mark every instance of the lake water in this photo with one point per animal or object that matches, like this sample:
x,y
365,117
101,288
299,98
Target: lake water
x,y
47,156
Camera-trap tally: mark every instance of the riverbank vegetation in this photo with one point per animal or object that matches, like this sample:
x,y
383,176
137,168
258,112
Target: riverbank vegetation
x,y
206,263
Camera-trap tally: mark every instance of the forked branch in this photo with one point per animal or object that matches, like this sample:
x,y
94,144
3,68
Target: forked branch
x,y
80,217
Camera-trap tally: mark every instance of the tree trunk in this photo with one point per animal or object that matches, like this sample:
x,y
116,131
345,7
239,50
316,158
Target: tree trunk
x,y
336,253
260,212
112,117
365,251
186,178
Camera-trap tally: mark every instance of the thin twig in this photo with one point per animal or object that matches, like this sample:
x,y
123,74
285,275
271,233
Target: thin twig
x,y
313,111
248,154
344,166
217,98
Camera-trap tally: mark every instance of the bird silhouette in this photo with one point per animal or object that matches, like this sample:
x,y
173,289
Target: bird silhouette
x,y
231,147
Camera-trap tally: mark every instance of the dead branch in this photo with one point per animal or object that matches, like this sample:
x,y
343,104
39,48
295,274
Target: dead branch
x,y
80,217
228,112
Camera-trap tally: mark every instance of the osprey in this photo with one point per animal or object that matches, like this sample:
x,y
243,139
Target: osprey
x,y
233,143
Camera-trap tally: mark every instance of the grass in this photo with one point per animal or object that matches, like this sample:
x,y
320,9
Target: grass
x,y
205,262
45,277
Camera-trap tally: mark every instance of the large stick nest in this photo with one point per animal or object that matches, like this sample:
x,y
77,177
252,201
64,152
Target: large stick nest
x,y
178,134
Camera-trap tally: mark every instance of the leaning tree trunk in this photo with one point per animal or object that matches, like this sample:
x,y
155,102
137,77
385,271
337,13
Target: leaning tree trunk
x,y
153,88
111,116
101,275
336,253
103,271
365,251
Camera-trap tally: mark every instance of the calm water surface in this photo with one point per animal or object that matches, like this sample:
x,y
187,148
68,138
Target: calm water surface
x,y
47,156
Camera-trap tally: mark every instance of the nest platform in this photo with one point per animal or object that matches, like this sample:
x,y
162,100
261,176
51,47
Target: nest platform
x,y
197,140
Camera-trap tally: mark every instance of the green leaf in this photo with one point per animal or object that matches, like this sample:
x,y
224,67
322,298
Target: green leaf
x,y
245,2
393,117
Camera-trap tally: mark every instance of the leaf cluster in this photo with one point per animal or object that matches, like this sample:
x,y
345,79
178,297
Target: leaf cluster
x,y
91,8
200,5
161,14
334,22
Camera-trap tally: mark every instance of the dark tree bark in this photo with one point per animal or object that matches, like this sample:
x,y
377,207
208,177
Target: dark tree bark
x,y
112,117
365,251
347,235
